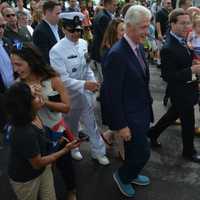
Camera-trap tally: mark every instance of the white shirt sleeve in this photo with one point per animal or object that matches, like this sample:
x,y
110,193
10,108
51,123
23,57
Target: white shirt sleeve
x,y
89,74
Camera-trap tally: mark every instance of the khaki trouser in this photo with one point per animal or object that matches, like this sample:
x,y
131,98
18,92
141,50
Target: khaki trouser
x,y
42,187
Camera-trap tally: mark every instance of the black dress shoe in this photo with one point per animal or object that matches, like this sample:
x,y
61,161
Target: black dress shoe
x,y
194,158
154,142
81,134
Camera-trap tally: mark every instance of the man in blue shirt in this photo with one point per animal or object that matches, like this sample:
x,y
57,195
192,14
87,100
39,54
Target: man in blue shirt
x,y
6,69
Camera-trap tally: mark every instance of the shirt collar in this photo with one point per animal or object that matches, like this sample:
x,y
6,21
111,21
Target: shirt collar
x,y
1,42
110,13
180,39
71,42
51,25
132,44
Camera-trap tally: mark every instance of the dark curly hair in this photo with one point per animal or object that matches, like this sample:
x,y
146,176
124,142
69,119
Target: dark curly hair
x,y
18,102
31,54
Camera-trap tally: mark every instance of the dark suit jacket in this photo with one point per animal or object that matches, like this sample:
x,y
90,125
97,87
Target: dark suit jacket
x,y
44,38
125,95
176,71
100,24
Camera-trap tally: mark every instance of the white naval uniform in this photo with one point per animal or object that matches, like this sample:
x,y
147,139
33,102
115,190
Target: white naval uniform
x,y
68,59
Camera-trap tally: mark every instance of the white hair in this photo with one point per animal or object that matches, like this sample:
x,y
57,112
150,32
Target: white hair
x,y
136,13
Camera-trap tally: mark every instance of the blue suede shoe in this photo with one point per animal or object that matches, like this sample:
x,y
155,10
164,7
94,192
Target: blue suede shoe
x,y
126,189
141,180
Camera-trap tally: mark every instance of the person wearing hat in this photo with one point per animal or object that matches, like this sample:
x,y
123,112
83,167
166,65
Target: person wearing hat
x,y
68,58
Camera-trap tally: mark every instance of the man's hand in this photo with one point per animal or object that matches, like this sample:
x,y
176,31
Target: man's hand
x,y
160,37
93,86
125,134
36,90
71,145
38,101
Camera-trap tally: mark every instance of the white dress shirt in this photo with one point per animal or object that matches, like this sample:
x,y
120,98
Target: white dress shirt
x,y
54,29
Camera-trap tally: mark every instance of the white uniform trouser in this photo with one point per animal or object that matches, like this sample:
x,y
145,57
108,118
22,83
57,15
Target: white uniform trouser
x,y
87,118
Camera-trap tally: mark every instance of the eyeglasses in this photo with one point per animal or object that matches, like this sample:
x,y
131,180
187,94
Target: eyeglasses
x,y
2,26
74,30
10,15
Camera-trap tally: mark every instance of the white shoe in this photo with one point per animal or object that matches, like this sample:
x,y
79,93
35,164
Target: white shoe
x,y
103,160
76,154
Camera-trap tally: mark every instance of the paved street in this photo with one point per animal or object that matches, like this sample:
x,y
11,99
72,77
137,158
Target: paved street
x,y
172,177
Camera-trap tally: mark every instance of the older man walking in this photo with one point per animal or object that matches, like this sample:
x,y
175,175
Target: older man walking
x,y
126,98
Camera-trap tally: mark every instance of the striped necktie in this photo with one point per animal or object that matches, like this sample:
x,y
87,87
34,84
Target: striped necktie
x,y
184,43
140,59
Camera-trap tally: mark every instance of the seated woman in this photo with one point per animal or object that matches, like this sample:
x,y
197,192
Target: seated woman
x,y
47,87
29,167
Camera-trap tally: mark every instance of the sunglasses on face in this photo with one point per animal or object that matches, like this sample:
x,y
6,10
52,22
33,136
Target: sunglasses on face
x,y
2,26
74,30
10,15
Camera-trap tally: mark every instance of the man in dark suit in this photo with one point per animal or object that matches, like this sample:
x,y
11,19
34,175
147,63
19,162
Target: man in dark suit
x,y
47,33
178,71
126,99
100,24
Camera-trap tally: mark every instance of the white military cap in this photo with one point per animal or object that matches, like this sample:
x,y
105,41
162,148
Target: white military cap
x,y
72,19
71,15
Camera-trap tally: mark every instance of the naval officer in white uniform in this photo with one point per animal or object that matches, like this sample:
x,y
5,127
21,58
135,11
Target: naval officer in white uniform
x,y
68,58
